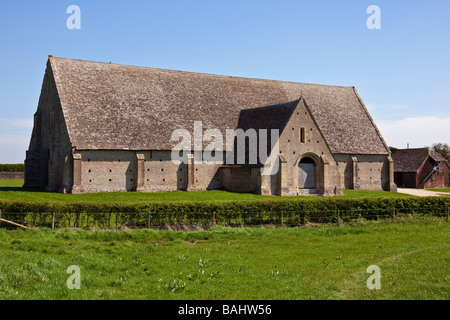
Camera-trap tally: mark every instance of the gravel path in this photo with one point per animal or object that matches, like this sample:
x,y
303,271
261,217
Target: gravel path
x,y
420,192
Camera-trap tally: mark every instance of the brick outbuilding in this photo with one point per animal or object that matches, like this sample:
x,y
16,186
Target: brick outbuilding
x,y
420,168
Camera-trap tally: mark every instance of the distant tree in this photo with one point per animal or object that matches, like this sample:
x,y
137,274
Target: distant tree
x,y
443,149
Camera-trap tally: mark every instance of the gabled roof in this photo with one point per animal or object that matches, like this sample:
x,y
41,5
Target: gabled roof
x,y
410,160
110,106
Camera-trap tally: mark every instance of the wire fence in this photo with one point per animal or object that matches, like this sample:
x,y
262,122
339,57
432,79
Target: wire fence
x,y
205,220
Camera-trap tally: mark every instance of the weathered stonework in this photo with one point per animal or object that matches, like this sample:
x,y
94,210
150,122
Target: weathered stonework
x,y
107,128
50,143
365,172
11,175
312,145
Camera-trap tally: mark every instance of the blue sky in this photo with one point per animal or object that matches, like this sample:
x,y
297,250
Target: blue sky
x,y
401,71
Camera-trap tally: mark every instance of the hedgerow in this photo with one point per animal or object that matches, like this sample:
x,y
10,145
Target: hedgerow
x,y
291,211
20,167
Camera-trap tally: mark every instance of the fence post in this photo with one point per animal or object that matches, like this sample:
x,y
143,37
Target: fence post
x,y
338,218
394,214
448,213
148,220
53,221
214,219
0,217
282,220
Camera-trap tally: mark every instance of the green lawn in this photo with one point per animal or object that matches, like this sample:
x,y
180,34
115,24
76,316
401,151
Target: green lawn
x,y
11,183
321,262
440,189
12,190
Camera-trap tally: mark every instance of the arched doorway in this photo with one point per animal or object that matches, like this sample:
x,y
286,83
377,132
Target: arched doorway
x,y
307,174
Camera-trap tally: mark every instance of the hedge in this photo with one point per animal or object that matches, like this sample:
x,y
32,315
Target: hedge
x,y
20,167
291,211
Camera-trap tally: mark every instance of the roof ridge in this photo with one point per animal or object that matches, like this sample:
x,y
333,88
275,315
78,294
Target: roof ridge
x,y
422,148
203,73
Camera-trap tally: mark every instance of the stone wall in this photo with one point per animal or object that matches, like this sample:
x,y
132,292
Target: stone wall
x,y
295,145
107,171
119,170
11,175
241,179
49,147
364,172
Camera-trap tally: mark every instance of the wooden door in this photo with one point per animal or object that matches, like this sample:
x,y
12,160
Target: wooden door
x,y
306,175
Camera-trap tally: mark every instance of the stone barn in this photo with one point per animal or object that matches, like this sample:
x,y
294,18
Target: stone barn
x,y
102,127
420,168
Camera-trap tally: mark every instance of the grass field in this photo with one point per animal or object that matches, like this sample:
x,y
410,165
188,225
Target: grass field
x,y
316,262
12,190
440,189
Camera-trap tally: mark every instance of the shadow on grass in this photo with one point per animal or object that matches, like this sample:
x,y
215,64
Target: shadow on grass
x,y
21,189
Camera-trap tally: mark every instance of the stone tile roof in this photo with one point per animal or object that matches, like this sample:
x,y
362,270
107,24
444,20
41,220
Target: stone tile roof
x,y
110,106
410,160
436,156
268,117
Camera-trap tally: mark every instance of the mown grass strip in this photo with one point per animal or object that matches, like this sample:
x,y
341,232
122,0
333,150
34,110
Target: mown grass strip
x,y
321,262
